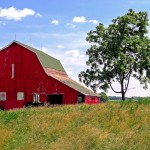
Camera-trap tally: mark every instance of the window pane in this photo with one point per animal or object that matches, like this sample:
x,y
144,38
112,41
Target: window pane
x,y
13,71
2,96
36,98
20,96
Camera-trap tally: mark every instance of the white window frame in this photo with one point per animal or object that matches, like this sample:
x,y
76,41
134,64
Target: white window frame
x,y
36,98
20,95
4,99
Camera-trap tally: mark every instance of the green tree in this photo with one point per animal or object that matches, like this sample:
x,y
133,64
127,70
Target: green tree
x,y
118,52
103,97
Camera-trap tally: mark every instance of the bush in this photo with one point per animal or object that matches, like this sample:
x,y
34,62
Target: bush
x,y
103,97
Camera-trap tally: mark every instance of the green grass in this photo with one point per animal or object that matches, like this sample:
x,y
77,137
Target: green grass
x,y
107,126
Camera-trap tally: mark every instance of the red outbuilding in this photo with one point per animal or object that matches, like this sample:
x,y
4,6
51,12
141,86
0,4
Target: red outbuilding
x,y
29,76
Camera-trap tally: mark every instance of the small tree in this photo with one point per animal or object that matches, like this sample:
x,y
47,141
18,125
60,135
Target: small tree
x,y
118,52
103,97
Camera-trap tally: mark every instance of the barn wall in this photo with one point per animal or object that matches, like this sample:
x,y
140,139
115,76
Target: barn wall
x,y
92,100
28,77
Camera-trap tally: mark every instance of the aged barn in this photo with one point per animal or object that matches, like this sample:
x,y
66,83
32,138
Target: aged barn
x,y
29,76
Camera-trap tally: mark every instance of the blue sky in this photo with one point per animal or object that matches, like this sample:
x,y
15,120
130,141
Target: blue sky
x,y
59,28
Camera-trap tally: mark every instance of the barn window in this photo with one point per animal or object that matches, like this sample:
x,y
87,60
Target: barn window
x,y
36,98
2,96
20,96
79,99
12,71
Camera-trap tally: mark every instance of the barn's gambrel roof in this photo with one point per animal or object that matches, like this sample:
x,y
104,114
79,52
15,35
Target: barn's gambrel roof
x,y
54,69
46,60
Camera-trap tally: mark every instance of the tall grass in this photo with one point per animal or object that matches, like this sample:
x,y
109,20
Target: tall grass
x,y
108,126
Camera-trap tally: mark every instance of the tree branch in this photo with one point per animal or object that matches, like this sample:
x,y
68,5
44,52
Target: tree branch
x,y
128,76
130,70
126,86
113,89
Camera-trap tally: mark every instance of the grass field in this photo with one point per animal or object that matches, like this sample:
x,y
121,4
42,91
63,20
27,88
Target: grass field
x,y
107,126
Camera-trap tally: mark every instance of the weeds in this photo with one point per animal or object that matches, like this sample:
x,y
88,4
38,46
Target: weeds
x,y
108,126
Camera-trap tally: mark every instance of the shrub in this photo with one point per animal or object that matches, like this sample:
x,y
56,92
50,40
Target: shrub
x,y
103,97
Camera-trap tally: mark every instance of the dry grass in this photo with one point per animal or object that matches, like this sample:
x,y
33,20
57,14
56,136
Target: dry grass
x,y
110,126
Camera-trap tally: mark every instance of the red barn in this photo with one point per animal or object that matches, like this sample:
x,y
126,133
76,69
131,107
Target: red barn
x,y
29,76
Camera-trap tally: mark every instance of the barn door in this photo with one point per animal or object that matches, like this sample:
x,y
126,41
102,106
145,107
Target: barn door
x,y
55,99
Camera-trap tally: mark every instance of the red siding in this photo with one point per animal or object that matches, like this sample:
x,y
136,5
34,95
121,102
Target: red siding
x,y
29,77
92,100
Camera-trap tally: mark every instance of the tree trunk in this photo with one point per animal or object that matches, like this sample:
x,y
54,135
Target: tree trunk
x,y
123,95
122,92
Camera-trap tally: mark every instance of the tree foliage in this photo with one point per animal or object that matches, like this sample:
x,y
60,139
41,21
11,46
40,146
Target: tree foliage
x,y
118,52
103,97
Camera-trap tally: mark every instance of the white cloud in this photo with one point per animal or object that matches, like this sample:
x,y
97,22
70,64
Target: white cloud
x,y
38,14
44,49
68,70
12,13
69,59
59,46
2,23
81,19
73,53
94,21
73,62
56,22
71,25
